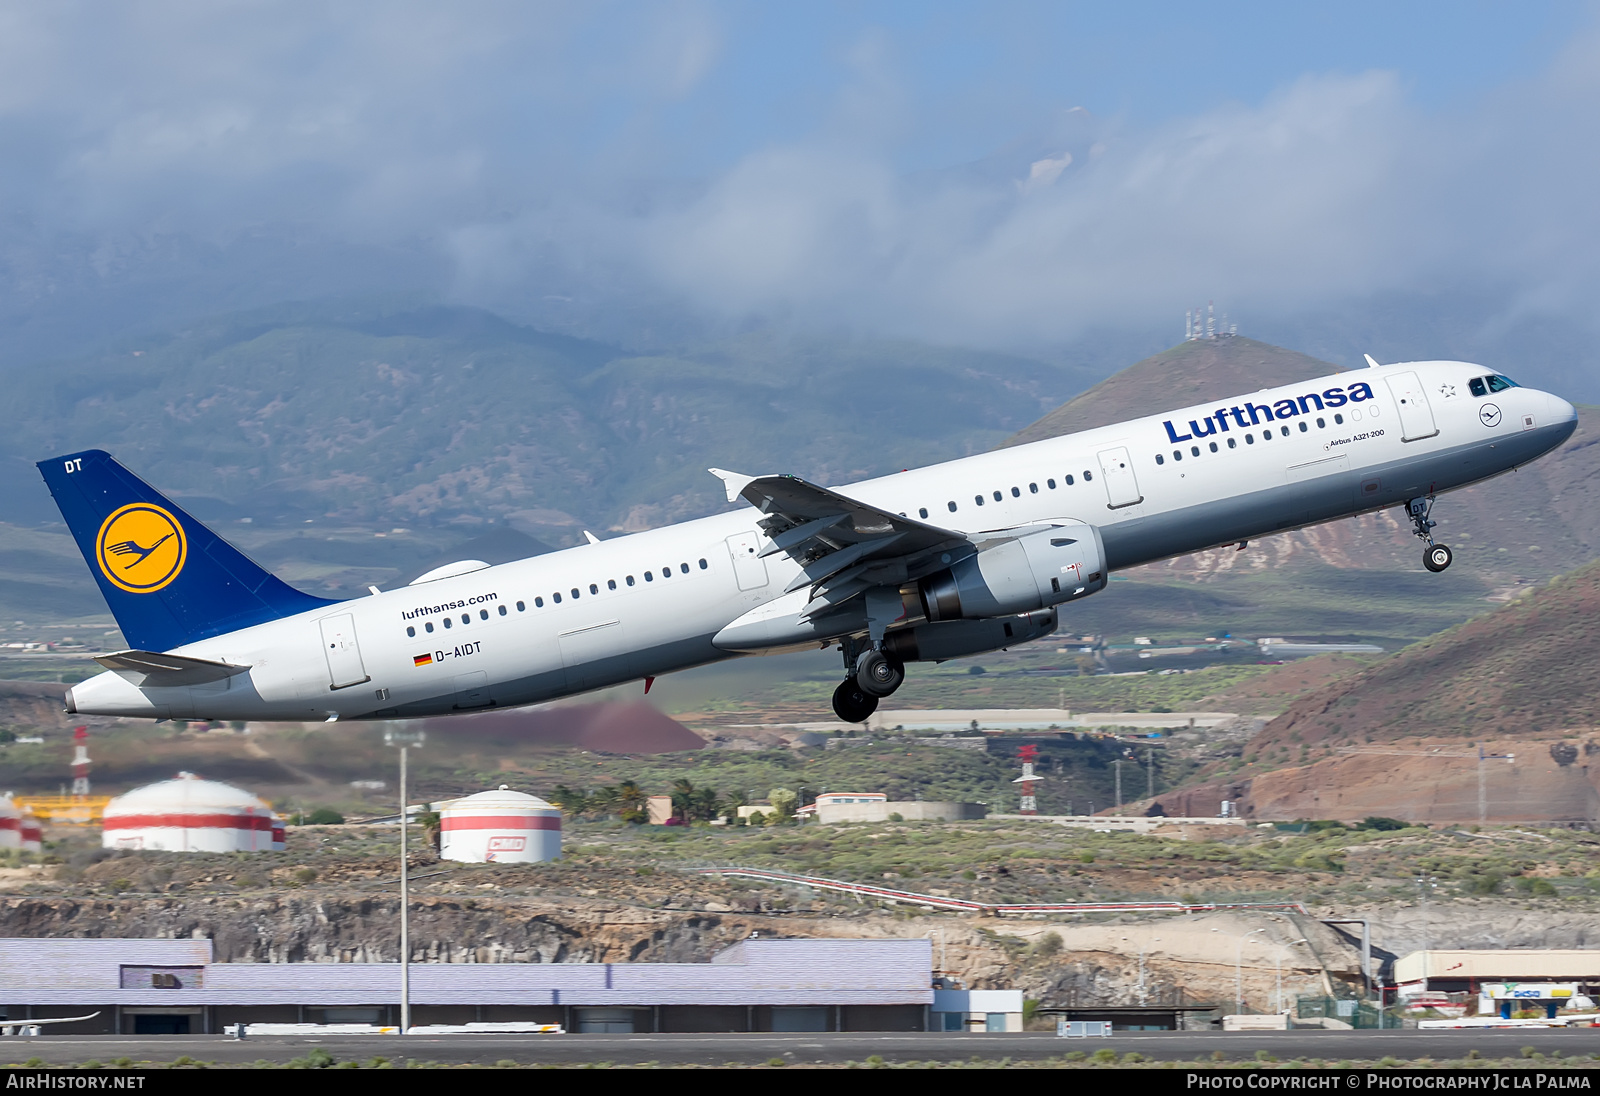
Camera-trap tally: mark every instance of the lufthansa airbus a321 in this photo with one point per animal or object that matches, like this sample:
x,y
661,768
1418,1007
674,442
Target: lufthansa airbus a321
x,y
956,559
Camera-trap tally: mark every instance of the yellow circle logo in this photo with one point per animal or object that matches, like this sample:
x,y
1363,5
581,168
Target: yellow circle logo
x,y
141,548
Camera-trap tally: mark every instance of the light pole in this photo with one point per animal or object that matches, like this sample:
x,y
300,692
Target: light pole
x,y
1425,883
404,740
1277,963
1238,972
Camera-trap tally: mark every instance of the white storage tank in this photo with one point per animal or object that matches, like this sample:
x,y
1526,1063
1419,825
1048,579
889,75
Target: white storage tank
x,y
188,814
502,826
32,831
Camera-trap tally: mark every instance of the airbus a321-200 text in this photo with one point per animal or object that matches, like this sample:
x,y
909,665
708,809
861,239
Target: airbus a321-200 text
x,y
936,563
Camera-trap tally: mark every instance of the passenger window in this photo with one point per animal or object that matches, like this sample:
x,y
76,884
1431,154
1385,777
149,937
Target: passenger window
x,y
952,507
1249,439
1069,481
1321,424
683,568
1193,449
447,622
704,564
1213,447
1087,475
538,603
503,608
1498,383
1160,459
411,631
648,577
1232,444
611,584
1285,430
556,598
1050,483
978,499
1177,454
428,627
466,618
1303,427
574,593
483,614
1016,492
521,608
922,512
1338,419
1033,488
666,572
1477,387
997,496
628,579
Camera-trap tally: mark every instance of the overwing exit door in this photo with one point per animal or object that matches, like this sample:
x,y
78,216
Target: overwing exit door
x,y
1122,486
1416,417
748,566
344,656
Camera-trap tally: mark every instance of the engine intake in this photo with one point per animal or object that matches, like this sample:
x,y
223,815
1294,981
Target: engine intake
x,y
1055,564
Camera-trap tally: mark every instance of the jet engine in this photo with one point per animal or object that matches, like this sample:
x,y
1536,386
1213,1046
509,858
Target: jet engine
x,y
1034,571
959,638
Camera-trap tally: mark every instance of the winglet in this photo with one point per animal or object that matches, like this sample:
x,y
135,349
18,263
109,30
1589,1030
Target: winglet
x,y
733,481
1372,363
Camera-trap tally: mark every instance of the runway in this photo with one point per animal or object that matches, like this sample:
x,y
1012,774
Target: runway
x,y
831,1048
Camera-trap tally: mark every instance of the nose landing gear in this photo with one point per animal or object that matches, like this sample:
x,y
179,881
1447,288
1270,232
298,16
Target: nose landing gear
x,y
1435,557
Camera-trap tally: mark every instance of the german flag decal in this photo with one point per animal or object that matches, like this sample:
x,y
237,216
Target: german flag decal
x,y
421,660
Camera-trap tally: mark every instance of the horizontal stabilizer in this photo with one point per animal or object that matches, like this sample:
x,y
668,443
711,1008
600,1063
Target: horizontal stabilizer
x,y
163,669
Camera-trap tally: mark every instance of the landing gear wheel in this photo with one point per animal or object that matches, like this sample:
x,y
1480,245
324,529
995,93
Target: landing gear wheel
x,y
1437,558
878,675
851,704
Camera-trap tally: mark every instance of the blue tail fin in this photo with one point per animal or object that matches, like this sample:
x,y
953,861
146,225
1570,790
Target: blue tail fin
x,y
168,579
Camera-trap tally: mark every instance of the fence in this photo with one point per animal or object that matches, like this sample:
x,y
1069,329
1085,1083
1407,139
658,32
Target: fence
x,y
1358,1014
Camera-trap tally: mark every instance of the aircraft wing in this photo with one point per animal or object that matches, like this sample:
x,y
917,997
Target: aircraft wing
x,y
843,545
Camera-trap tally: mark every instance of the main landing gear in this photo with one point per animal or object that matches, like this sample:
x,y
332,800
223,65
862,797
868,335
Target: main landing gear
x,y
1436,557
873,676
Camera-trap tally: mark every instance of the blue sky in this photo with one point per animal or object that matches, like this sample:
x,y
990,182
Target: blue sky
x,y
1012,175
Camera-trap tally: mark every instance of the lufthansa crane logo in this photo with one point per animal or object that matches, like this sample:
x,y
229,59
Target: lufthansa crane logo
x,y
141,548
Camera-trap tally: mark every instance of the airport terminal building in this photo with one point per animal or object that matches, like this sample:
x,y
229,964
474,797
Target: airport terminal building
x,y
173,987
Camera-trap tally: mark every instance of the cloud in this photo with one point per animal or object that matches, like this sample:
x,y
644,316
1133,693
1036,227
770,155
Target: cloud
x,y
611,160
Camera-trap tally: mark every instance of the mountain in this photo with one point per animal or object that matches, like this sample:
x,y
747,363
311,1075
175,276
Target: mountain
x,y
1189,373
447,414
1401,736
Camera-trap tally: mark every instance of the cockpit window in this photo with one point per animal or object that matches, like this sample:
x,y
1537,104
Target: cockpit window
x,y
1478,387
1497,383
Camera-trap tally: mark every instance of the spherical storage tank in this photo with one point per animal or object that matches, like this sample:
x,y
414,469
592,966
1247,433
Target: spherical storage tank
x,y
503,826
189,814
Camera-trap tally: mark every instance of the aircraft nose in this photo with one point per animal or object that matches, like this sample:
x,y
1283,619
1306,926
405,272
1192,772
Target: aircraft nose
x,y
1560,410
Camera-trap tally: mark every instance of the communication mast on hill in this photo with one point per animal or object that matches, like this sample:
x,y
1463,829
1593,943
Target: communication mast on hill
x,y
80,762
1201,323
1027,755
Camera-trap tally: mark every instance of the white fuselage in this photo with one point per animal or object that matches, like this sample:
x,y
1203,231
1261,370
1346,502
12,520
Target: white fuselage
x,y
650,603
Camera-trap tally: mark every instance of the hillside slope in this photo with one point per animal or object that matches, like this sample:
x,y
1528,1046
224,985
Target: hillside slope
x,y
1191,372
446,414
1528,667
1400,737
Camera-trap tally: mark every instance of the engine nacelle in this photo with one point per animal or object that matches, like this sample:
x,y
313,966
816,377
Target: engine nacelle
x,y
1058,563
958,638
